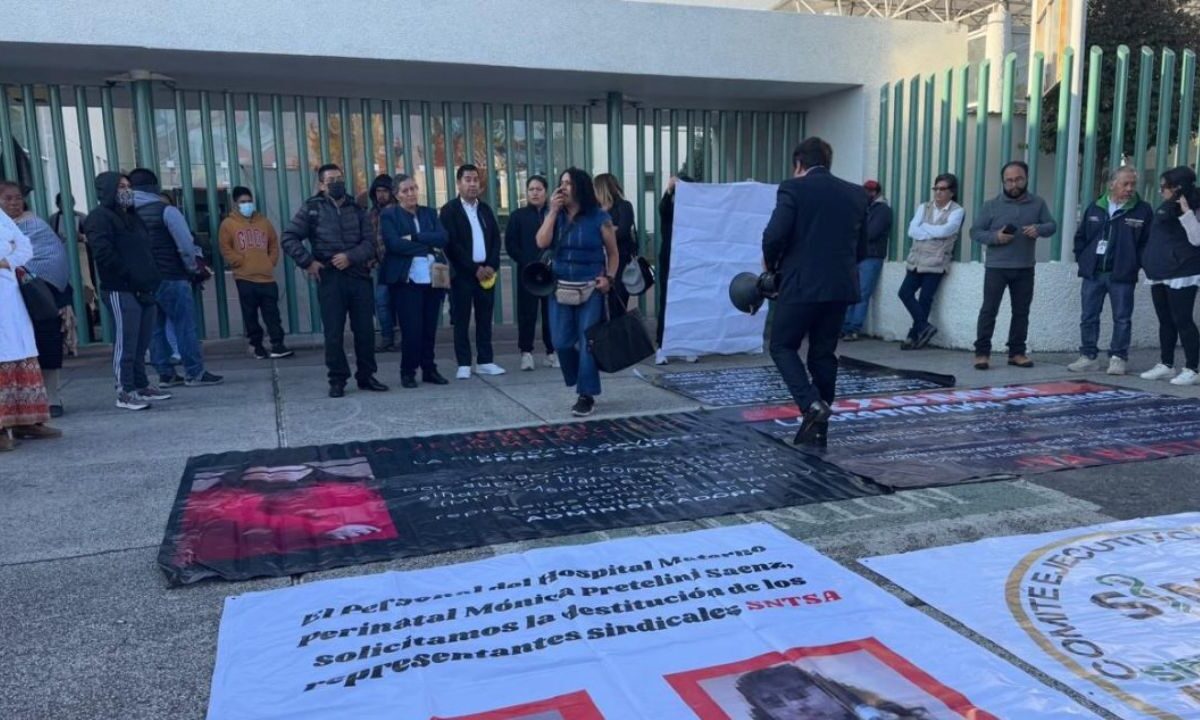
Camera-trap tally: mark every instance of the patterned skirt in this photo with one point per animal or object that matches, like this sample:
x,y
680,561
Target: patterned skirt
x,y
22,394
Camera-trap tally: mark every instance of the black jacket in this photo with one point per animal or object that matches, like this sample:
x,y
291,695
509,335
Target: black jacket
x,y
460,248
397,224
816,237
162,245
1126,232
520,235
623,221
330,229
1168,253
879,229
119,243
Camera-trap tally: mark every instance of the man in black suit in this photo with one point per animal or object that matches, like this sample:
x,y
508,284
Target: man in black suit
x,y
474,254
814,240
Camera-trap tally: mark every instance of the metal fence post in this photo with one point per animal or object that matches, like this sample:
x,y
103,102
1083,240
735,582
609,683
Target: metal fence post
x,y
1060,164
68,202
1091,121
33,144
214,215
88,157
981,133
1116,149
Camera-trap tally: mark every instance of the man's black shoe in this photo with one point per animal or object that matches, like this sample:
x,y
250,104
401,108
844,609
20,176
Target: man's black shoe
x,y
372,384
815,415
337,391
433,377
819,437
408,381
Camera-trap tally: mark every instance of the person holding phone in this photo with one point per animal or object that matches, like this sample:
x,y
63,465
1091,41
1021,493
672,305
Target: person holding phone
x,y
1009,226
1172,264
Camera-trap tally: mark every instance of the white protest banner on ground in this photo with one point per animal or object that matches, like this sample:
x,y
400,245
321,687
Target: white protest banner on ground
x,y
736,623
1111,610
717,234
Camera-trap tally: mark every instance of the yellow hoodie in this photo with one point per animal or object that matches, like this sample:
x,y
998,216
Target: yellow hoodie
x,y
250,247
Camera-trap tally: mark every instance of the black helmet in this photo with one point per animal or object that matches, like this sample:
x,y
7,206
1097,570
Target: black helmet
x,y
744,292
538,279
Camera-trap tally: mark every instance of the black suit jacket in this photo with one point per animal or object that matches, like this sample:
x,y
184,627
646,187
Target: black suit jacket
x,y
460,247
816,237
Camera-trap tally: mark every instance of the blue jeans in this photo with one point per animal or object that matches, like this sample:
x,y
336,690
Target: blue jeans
x,y
869,271
1092,294
383,311
919,308
568,330
176,306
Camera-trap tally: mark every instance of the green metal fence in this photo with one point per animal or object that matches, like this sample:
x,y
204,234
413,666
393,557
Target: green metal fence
x,y
941,123
202,143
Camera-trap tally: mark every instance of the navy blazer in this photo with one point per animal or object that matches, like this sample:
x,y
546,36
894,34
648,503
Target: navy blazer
x,y
816,238
396,224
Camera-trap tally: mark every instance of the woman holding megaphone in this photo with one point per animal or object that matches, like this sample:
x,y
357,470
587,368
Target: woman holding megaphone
x,y
584,242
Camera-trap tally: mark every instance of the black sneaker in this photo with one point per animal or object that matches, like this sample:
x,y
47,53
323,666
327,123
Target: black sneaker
x,y
259,352
280,351
204,380
584,406
925,336
166,381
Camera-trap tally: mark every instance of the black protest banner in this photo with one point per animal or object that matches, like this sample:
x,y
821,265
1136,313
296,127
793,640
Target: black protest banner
x,y
286,511
941,438
763,384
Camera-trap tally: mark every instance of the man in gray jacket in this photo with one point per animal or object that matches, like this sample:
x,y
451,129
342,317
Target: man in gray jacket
x,y
1009,225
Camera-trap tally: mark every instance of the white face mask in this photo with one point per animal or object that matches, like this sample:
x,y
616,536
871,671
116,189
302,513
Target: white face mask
x,y
246,208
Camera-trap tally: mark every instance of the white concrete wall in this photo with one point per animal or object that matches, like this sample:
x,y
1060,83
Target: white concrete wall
x,y
1053,319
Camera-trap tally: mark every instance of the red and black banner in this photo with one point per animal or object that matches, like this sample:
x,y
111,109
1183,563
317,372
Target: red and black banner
x,y
946,437
278,512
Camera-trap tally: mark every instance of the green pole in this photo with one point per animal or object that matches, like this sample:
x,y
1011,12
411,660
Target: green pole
x,y
256,161
285,208
548,145
368,134
658,183
673,139
706,141
6,137
429,155
1187,81
1006,107
107,114
448,146
639,169
1165,85
753,146
88,156
897,203
530,159
347,145
981,133
231,142
927,137
1091,122
739,131
33,142
773,174
960,144
1033,137
469,136
1142,127
305,174
323,130
510,160
615,126
188,191
569,133
68,202
910,164
943,163
588,140
410,161
722,140
1116,148
143,120
489,158
389,139
882,157
1064,137
212,196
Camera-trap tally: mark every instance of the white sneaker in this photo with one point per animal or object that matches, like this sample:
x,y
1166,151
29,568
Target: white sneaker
x,y
490,369
1158,372
1116,366
660,358
690,359
1186,377
526,361
131,401
464,372
1084,364
551,360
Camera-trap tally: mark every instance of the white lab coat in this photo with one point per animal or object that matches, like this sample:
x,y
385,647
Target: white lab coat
x,y
16,331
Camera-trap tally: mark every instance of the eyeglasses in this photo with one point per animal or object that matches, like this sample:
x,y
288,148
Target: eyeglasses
x,y
942,188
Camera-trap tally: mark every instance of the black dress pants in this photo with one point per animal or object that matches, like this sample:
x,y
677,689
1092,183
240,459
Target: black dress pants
x,y
821,324
345,295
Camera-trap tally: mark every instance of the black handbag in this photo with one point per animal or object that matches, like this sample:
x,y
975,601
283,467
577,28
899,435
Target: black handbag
x,y
620,342
39,298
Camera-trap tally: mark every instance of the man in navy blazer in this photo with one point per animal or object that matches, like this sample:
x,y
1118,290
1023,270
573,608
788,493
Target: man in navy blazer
x,y
474,255
814,240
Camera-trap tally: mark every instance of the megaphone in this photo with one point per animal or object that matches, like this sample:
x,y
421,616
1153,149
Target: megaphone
x,y
748,291
538,279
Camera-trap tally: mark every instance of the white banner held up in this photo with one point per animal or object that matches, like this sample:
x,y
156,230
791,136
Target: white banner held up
x,y
1111,610
717,234
728,623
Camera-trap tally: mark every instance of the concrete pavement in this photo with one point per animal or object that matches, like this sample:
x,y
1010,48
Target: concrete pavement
x,y
91,630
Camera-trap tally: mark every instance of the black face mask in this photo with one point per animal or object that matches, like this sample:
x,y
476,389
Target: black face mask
x,y
336,189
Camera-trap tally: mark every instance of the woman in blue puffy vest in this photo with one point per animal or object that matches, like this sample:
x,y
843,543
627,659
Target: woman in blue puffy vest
x,y
585,267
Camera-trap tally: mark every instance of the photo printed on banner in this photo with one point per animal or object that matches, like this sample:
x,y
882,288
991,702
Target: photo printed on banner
x,y
287,511
950,436
731,387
